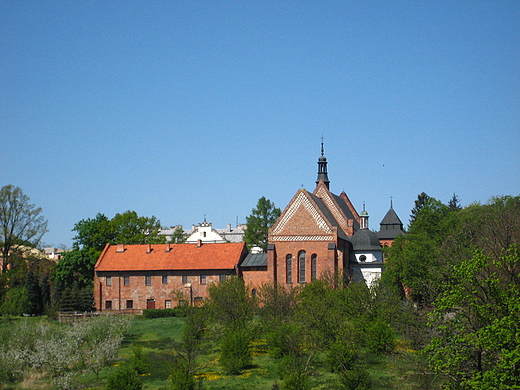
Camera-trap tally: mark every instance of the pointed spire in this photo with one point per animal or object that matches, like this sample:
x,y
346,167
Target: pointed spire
x,y
322,167
363,218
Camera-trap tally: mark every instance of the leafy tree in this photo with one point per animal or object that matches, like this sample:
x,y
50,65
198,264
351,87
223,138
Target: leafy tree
x,y
413,261
231,307
258,223
129,228
93,233
178,236
75,271
477,323
21,224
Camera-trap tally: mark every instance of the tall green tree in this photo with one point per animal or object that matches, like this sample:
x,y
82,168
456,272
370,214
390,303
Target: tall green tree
x,y
262,217
413,261
22,224
477,323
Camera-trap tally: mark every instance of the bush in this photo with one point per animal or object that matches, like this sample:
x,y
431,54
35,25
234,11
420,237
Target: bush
x,y
182,374
380,337
357,379
341,356
138,361
124,378
180,311
235,353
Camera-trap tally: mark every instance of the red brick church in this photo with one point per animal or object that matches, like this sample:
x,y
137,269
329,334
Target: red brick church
x,y
319,234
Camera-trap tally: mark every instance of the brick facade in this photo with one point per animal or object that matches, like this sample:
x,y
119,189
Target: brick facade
x,y
137,277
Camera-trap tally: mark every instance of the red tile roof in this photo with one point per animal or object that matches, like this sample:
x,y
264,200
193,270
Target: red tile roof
x,y
180,257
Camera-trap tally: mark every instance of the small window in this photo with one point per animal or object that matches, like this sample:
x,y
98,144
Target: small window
x,y
202,279
183,302
168,304
184,279
108,305
109,280
165,279
362,258
314,259
129,304
126,280
301,266
253,292
197,301
288,266
222,277
148,280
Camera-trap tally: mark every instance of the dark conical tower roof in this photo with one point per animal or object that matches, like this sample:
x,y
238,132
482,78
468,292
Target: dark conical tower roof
x,y
322,168
391,226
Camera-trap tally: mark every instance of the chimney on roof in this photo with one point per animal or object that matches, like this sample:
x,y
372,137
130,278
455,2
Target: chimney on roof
x,y
168,248
199,243
120,248
149,248
229,227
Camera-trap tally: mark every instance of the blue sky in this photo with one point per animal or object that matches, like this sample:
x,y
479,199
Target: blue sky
x,y
181,109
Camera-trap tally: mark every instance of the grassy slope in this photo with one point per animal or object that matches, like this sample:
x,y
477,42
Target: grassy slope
x,y
157,337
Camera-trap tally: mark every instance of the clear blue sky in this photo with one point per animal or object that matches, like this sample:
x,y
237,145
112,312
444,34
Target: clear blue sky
x,y
183,108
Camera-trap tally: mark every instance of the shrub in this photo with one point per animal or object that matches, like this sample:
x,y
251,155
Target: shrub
x,y
380,337
138,361
341,356
182,374
235,353
180,311
124,378
357,379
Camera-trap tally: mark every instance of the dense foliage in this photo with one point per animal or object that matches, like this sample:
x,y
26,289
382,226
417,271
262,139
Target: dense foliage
x,y
262,217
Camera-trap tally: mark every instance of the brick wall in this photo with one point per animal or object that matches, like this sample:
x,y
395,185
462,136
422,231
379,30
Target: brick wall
x,y
142,295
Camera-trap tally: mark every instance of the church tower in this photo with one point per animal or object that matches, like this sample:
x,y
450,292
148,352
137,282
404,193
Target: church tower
x,y
322,168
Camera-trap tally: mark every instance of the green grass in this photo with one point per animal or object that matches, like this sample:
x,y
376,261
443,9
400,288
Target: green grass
x,y
157,337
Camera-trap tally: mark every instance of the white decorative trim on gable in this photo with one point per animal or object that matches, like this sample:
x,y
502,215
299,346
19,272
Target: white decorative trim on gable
x,y
303,238
302,200
331,204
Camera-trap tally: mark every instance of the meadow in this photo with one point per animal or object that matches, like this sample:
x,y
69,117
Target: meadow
x,y
156,339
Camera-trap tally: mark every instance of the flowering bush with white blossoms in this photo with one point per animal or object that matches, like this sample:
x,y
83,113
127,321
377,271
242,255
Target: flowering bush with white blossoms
x,y
60,350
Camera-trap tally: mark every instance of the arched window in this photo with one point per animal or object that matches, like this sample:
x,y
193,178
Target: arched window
x,y
301,267
288,268
314,259
253,292
362,258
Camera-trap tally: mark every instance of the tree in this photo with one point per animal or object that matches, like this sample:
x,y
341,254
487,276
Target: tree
x,y
76,268
258,223
21,223
421,200
477,323
129,228
93,233
454,203
178,236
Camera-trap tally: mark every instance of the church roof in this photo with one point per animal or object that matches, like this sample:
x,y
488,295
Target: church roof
x,y
391,218
365,240
391,226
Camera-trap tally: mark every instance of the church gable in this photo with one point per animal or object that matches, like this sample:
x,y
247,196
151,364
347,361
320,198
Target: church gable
x,y
302,218
341,208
